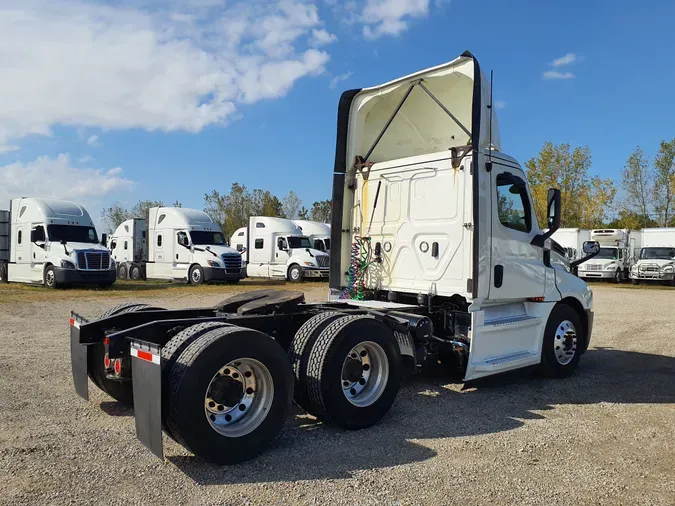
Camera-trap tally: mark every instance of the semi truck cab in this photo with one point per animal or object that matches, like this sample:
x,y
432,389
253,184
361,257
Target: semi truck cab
x,y
54,243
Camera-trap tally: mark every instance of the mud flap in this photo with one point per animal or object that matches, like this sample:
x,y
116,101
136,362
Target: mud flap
x,y
78,358
146,373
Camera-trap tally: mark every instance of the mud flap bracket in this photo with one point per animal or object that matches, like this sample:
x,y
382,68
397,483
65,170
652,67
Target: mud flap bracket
x,y
146,373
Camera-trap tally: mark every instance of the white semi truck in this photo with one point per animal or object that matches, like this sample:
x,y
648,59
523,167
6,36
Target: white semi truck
x,y
176,244
615,258
436,256
656,260
318,233
277,248
572,240
52,243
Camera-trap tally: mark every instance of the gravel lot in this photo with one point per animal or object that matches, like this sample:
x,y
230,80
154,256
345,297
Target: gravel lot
x,y
604,436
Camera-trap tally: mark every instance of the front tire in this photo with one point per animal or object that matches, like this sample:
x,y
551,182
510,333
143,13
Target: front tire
x,y
49,277
196,275
563,341
618,276
135,273
354,372
295,274
230,393
635,281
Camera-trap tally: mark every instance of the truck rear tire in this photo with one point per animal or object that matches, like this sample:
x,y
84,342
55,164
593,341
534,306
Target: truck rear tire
x,y
122,271
354,372
230,393
120,391
298,354
196,275
49,277
295,274
563,342
135,273
173,349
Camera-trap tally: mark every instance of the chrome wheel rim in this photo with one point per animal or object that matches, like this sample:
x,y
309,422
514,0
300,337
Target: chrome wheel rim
x,y
295,274
239,397
565,342
365,373
49,278
196,276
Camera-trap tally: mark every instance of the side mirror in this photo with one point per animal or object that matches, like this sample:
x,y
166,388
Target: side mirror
x,y
113,245
553,213
239,248
591,249
104,239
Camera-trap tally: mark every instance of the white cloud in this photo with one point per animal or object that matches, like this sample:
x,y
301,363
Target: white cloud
x,y
337,79
322,37
85,159
500,104
390,17
57,178
554,74
93,140
564,60
147,64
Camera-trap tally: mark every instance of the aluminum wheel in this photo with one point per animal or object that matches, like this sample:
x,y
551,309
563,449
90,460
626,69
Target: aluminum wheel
x,y
196,276
239,397
565,342
365,373
49,278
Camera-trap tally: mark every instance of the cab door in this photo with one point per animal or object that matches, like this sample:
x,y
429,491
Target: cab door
x,y
38,254
518,270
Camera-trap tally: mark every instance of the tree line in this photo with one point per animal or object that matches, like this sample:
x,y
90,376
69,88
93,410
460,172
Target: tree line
x,y
114,215
648,188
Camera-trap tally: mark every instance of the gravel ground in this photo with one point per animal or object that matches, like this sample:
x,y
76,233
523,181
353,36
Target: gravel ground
x,y
604,436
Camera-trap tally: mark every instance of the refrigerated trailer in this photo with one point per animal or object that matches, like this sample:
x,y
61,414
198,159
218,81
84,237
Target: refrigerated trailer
x,y
52,243
177,244
436,256
615,259
656,259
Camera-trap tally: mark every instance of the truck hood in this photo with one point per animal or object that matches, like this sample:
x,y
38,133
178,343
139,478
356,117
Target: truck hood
x,y
218,250
55,247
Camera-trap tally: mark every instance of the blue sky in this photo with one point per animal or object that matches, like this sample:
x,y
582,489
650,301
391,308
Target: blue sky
x,y
102,100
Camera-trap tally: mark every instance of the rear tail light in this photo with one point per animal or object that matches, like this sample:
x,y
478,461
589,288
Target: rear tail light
x,y
106,361
118,366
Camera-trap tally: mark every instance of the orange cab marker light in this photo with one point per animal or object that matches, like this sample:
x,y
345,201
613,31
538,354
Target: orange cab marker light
x,y
536,299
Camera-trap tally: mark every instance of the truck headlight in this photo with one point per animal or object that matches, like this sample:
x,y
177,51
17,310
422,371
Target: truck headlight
x,y
213,263
668,268
634,268
310,264
610,267
65,264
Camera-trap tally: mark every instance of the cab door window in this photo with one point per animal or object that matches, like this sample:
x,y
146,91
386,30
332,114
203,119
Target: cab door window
x,y
513,203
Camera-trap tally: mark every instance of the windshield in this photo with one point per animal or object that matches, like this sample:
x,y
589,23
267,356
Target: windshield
x,y
657,253
207,238
299,242
608,253
72,233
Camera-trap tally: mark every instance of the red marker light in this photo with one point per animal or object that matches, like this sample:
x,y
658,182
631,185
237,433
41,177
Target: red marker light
x,y
106,361
118,366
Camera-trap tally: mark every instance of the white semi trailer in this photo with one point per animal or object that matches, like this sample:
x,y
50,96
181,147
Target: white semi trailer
x,y
276,248
656,260
177,244
615,258
318,233
572,240
436,256
52,243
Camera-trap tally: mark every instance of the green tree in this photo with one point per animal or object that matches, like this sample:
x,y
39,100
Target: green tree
x,y
142,208
321,210
638,187
664,183
263,203
586,200
176,203
292,205
303,213
114,215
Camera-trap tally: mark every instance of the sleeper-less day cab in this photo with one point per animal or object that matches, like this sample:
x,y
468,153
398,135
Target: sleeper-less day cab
x,y
656,258
616,256
177,244
53,243
436,257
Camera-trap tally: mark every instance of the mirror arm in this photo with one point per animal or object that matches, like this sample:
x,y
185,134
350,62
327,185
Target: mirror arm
x,y
585,259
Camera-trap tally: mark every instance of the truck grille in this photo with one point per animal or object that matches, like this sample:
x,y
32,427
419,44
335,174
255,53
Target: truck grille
x,y
595,267
93,260
649,268
323,261
232,263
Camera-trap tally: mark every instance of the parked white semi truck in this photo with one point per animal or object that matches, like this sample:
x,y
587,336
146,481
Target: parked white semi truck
x,y
436,256
52,243
615,258
177,244
318,233
656,260
276,248
572,240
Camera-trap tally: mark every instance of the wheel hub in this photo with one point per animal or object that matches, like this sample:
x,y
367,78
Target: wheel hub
x,y
365,372
565,342
227,391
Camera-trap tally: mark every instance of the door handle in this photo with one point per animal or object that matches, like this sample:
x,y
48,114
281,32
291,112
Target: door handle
x,y
176,256
434,250
499,275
